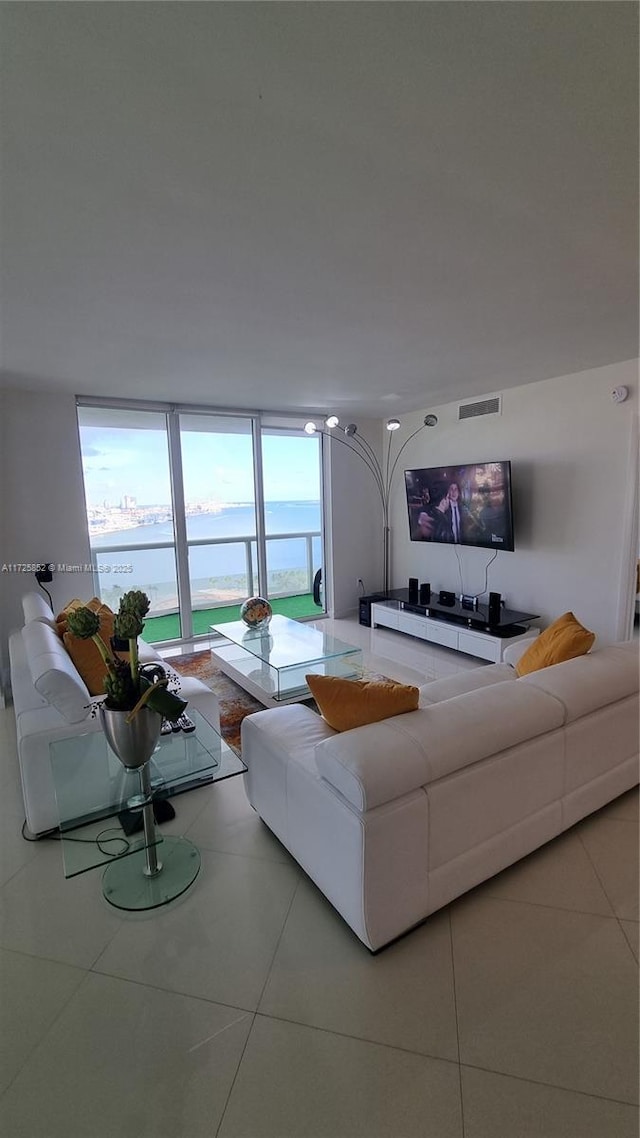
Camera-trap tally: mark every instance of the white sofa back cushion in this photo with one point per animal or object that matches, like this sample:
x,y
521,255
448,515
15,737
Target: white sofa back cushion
x,y
589,683
460,682
53,673
383,761
35,607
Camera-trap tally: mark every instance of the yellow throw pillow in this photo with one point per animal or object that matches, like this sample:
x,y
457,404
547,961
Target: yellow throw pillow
x,y
562,640
86,655
346,704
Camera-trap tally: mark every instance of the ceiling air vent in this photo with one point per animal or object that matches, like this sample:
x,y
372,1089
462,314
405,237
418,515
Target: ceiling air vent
x,y
492,406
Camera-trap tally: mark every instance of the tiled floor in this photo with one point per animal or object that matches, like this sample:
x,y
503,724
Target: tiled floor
x,y
247,1008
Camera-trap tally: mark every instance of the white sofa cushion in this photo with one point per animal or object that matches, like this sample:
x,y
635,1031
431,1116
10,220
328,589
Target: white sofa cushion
x,y
590,682
53,673
382,761
462,682
35,607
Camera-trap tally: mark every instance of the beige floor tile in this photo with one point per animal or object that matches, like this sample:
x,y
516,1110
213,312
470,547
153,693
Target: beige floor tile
x,y
44,914
612,845
15,851
11,802
625,807
400,657
32,994
546,995
187,807
297,1082
559,874
229,824
217,941
127,1060
8,724
323,976
630,930
496,1106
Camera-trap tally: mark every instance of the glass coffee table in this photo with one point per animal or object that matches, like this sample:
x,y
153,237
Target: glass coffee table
x,y
93,788
271,663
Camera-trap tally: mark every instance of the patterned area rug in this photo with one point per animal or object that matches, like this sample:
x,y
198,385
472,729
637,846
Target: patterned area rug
x,y
235,703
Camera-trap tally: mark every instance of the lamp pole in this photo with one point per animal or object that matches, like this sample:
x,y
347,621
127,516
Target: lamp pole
x,y
382,472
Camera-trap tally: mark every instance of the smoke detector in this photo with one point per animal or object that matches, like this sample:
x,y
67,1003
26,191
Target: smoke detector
x,y
619,394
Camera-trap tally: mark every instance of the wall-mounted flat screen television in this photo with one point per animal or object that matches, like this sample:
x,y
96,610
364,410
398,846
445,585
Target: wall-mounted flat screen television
x,y
465,505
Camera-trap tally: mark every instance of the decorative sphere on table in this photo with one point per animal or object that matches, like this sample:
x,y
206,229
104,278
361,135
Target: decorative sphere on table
x,y
256,612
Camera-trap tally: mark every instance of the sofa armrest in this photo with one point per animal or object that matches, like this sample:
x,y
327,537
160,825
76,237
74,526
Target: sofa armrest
x,y
285,730
374,764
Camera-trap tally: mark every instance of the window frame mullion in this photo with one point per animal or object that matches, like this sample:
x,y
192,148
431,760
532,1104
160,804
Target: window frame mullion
x,y
179,524
258,491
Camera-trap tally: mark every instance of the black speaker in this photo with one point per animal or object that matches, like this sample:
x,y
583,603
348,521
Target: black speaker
x,y
413,588
364,607
495,602
425,593
447,598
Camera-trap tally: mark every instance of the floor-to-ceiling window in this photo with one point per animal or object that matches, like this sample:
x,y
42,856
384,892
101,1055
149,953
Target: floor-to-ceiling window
x,y
127,480
218,479
292,490
201,510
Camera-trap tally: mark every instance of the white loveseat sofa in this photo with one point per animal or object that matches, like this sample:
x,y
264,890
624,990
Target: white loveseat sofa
x,y
395,819
52,702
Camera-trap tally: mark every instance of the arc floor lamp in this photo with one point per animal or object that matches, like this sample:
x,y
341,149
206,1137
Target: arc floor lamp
x,y
382,472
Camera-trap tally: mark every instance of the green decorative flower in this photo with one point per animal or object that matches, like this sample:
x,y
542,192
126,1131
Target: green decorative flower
x,y
84,623
128,684
119,686
128,625
137,602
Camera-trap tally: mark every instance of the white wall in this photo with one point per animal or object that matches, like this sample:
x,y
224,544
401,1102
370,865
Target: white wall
x,y
42,489
574,473
354,529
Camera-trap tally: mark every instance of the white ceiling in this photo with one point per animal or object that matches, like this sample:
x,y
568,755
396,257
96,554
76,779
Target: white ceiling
x,y
373,207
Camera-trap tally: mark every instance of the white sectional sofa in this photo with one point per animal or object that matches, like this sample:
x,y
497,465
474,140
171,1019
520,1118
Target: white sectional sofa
x,y
395,819
52,702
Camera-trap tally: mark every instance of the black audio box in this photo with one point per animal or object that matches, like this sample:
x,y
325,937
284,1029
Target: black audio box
x,y
364,607
446,598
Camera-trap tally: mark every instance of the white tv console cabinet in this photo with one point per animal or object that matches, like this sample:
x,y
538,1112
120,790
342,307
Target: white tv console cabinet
x,y
438,630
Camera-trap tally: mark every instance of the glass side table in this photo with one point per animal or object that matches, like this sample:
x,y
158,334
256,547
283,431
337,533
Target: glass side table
x,y
92,787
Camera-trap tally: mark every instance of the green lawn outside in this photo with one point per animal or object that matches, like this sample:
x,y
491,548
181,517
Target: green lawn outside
x,y
160,628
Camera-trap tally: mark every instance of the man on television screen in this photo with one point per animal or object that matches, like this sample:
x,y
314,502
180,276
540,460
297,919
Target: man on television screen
x,y
455,512
493,516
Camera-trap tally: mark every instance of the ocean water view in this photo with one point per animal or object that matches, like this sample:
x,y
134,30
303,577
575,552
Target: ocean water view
x,y
218,573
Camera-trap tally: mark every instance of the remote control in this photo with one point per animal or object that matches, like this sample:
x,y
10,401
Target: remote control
x,y
186,724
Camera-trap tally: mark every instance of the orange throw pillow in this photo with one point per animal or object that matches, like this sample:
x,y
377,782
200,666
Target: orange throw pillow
x,y
563,640
86,655
346,704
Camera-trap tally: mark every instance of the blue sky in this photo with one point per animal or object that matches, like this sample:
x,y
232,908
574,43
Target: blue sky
x,y
128,461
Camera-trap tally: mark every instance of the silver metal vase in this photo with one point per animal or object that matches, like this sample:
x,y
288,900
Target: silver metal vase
x,y
135,742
